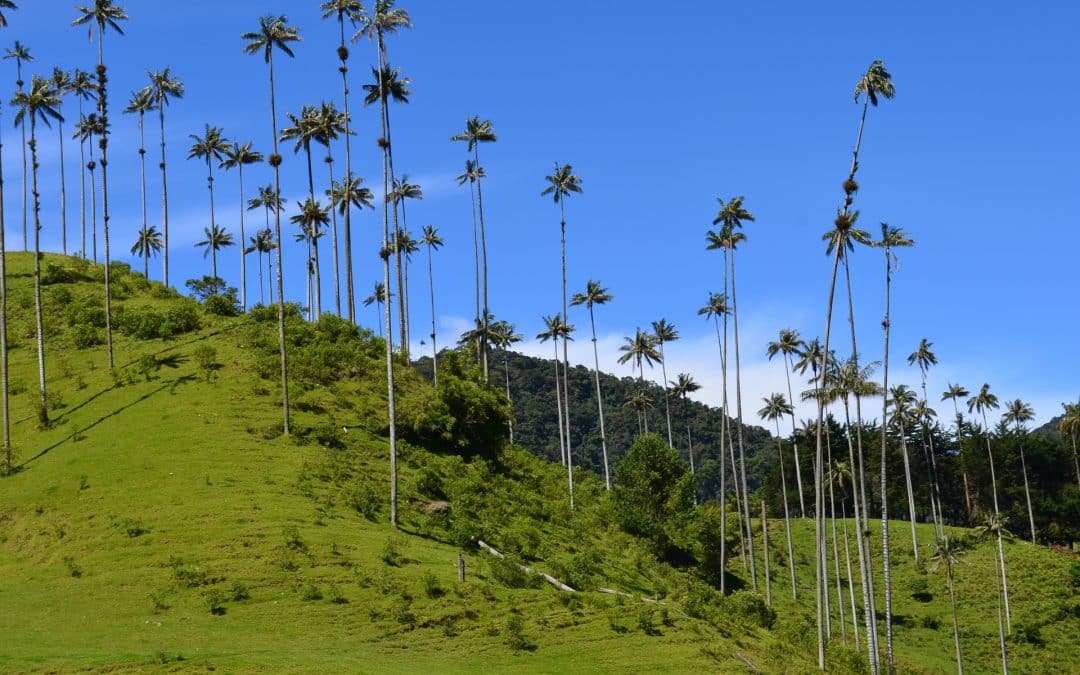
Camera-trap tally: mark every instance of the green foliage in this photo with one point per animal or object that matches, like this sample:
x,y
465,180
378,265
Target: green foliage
x,y
206,359
651,498
508,571
146,323
513,633
239,591
1074,574
311,592
215,601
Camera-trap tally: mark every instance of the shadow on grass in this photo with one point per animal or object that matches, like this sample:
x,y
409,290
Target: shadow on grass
x,y
78,433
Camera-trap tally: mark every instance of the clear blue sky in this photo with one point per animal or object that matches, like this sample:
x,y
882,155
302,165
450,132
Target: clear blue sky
x,y
660,110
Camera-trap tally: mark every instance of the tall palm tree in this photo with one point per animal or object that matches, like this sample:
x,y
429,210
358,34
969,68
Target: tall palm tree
x,y
433,241
164,87
275,33
8,465
730,216
902,399
681,387
924,357
557,328
641,350
839,475
20,53
665,332
331,125
980,403
267,199
106,15
595,294
1069,426
1019,413
502,336
776,406
562,183
403,190
946,553
788,344
922,412
88,127
344,196
479,131
379,297
262,242
61,81
473,173
236,156
303,130
994,524
311,219
141,101
148,243
39,102
208,147
216,239
955,392
352,10
387,20
714,309
83,88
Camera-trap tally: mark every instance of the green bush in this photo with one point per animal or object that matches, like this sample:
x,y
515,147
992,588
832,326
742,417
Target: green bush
x,y
56,274
749,607
513,633
215,601
1074,574
508,572
223,305
312,592
85,336
650,495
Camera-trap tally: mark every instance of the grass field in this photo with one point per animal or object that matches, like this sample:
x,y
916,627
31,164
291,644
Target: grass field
x,y
160,522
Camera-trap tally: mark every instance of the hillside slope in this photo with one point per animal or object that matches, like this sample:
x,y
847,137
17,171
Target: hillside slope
x,y
161,520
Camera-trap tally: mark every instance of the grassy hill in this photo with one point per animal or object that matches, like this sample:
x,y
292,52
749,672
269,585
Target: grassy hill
x,y
161,520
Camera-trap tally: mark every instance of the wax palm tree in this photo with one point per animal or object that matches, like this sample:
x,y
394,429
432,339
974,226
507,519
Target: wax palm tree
x,y
433,241
88,127
83,88
641,350
472,174
38,103
387,20
1069,426
216,239
715,308
148,243
994,525
261,243
980,403
503,335
8,466
352,10
236,156
21,53
61,81
955,392
562,183
922,412
330,125
681,387
209,147
141,101
311,219
730,216
665,332
303,129
275,33
902,400
776,406
946,554
1019,413
788,344
595,294
924,357
839,475
379,297
403,190
267,199
641,404
556,329
344,196
164,87
106,15
479,131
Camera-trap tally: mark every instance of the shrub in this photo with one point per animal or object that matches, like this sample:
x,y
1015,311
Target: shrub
x,y
1074,574
187,574
56,274
223,305
391,552
508,571
931,622
403,613
239,591
206,360
649,491
85,336
312,592
336,596
432,589
215,601
363,498
919,587
513,633
750,607
645,621
206,287
72,567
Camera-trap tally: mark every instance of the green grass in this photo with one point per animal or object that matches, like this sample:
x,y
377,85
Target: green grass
x,y
151,501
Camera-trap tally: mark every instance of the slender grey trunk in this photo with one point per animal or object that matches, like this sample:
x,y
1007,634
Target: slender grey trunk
x,y
4,403
667,400
1027,490
43,410
723,439
276,160
558,403
862,547
850,583
955,619
510,420
794,440
886,553
350,297
243,255
82,184
600,404
484,258
434,349
739,430
910,491
334,239
63,183
787,515
165,196
836,555
26,239
765,551
1000,545
566,360
142,195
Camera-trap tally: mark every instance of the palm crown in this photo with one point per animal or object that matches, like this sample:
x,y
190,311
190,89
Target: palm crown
x,y
640,348
594,294
476,131
875,82
274,31
562,182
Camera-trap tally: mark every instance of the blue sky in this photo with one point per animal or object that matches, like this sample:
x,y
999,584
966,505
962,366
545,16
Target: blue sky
x,y
659,114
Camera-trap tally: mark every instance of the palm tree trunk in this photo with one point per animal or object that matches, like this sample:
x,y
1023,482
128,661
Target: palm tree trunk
x,y
334,242
862,547
397,230
343,53
388,172
667,400
93,204
794,441
403,301
886,553
43,403
836,557
142,194
63,186
1001,547
434,349
476,250
765,551
276,162
26,240
103,109
910,492
558,403
566,360
4,403
510,420
1001,627
955,619
690,454
82,184
1027,490
600,404
314,292
243,255
787,514
483,245
850,583
738,411
165,196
